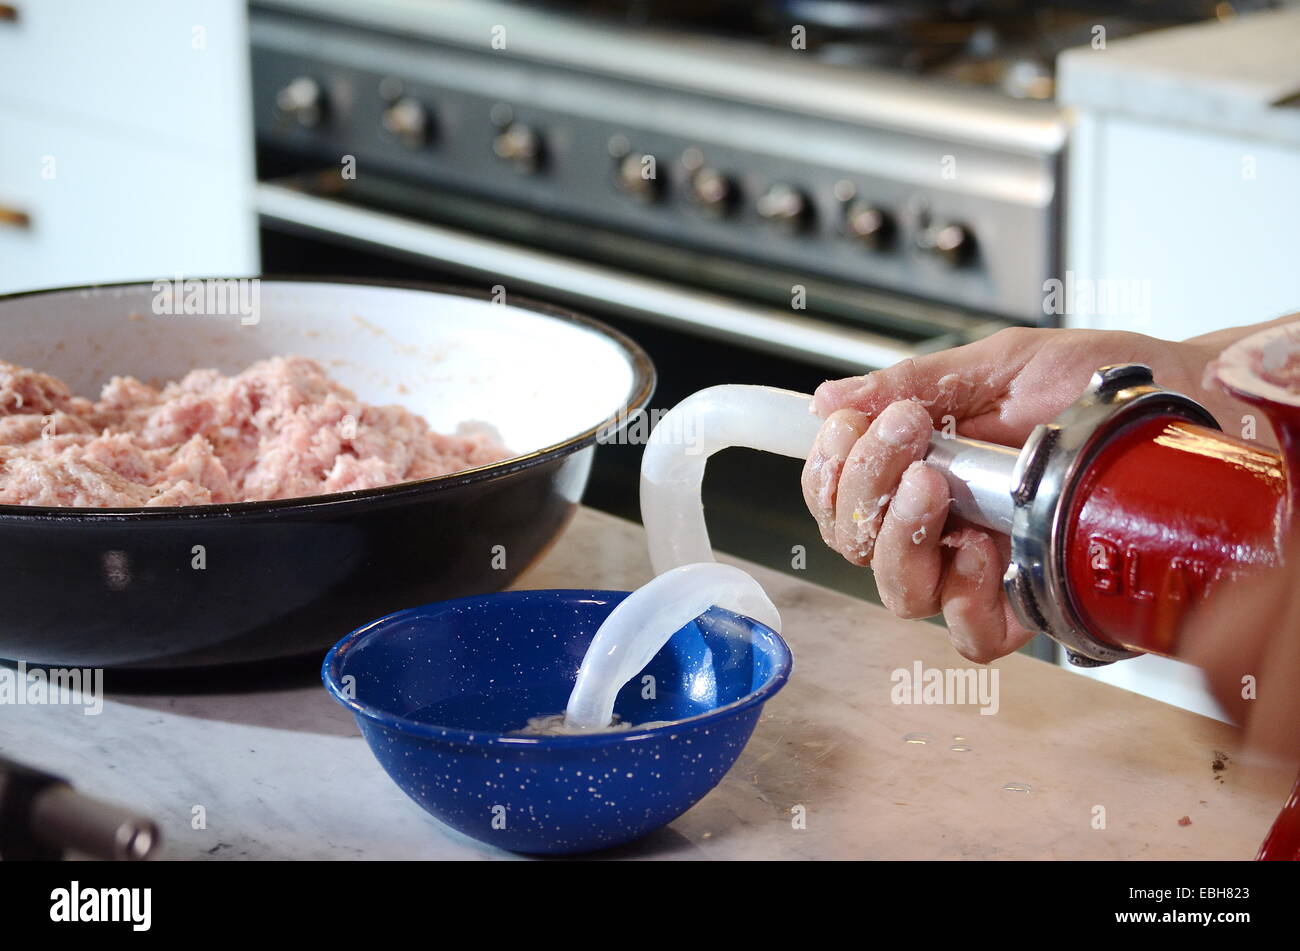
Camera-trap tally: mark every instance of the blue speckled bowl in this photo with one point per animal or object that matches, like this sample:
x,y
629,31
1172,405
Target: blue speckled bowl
x,y
437,690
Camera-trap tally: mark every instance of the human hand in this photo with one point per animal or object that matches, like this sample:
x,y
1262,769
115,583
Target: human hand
x,y
877,504
1247,640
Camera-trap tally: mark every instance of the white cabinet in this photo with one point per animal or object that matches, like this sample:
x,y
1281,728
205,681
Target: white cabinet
x,y
1205,224
1184,174
100,210
125,142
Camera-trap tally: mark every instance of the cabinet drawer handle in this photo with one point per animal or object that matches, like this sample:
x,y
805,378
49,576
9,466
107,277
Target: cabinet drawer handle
x,y
13,218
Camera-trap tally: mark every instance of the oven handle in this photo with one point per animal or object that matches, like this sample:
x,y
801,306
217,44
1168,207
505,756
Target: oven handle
x,y
769,329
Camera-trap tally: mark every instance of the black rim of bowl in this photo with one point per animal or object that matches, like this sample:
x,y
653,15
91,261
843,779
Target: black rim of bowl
x,y
638,397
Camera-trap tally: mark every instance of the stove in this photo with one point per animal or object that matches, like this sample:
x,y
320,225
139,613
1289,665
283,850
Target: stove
x,y
1008,45
847,182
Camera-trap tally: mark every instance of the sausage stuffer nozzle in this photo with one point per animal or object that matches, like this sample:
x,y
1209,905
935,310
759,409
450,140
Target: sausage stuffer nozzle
x,y
42,816
980,477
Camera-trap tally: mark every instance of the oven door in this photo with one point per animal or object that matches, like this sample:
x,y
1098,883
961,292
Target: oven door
x,y
703,323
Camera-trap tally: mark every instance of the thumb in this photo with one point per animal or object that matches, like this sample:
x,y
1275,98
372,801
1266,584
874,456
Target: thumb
x,y
961,382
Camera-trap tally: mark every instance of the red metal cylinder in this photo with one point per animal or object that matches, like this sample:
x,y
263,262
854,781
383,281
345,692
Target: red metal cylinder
x,y
1165,511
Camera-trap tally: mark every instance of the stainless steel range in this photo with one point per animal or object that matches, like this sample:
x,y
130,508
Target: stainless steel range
x,y
890,167
727,158
839,184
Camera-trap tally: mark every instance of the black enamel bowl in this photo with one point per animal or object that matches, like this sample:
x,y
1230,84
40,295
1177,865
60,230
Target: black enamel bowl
x,y
219,584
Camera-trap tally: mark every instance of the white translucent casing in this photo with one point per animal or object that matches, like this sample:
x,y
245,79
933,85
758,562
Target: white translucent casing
x,y
672,469
689,581
980,474
638,628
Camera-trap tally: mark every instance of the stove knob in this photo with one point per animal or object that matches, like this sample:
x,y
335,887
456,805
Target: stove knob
x,y
407,119
868,224
712,191
785,206
301,102
519,145
638,174
951,243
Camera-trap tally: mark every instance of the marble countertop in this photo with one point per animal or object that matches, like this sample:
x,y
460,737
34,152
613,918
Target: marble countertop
x,y
275,769
1241,75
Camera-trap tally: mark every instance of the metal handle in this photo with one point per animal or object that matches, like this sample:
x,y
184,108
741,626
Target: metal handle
x,y
66,819
12,217
41,817
980,477
588,284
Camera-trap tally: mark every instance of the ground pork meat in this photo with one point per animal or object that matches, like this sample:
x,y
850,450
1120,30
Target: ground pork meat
x,y
1280,369
24,391
281,429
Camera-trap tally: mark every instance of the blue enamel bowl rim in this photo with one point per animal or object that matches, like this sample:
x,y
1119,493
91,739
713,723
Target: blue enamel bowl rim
x,y
331,671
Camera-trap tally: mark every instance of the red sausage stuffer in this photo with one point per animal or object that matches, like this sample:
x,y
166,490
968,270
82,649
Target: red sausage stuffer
x,y
1127,509
1132,506
1123,513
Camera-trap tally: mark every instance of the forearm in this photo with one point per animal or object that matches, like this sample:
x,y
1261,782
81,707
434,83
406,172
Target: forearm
x,y
1200,350
1216,341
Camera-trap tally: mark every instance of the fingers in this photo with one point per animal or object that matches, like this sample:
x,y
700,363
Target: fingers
x,y
899,436
1245,639
979,621
1251,608
1274,725
919,379
821,473
877,503
908,561
960,382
